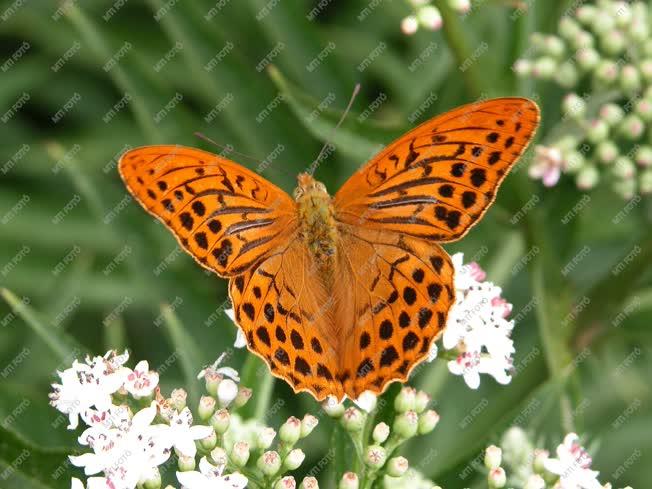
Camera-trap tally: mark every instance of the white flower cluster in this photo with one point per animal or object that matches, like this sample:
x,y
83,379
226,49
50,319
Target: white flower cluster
x,y
533,468
127,448
478,328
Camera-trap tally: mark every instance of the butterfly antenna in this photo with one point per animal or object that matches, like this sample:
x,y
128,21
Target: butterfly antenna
x,y
356,90
228,148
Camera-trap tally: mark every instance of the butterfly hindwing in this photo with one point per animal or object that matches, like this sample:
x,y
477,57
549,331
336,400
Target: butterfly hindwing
x,y
224,215
437,180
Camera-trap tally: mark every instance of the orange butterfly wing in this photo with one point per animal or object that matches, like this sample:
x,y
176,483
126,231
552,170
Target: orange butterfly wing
x,y
438,179
429,186
225,216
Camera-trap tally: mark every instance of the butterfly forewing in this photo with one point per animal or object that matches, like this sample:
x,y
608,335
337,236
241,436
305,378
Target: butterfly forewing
x,y
437,180
225,216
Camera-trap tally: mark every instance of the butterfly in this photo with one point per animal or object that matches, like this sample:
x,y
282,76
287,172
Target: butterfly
x,y
345,294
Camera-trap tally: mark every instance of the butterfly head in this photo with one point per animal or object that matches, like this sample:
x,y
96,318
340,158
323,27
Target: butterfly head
x,y
309,187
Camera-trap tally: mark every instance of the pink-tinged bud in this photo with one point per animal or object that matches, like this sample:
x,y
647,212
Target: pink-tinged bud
x,y
430,17
406,424
397,466
428,421
240,453
290,431
375,457
269,463
206,407
380,433
244,394
349,481
220,421
333,408
352,420
497,478
309,483
308,424
178,398
632,127
209,442
405,400
186,464
294,459
493,457
286,482
218,456
265,438
409,25
421,402
212,380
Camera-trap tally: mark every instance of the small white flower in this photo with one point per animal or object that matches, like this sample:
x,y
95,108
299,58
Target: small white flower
x,y
182,434
210,477
547,165
227,390
126,456
366,401
94,483
573,465
141,382
86,385
477,327
223,371
409,25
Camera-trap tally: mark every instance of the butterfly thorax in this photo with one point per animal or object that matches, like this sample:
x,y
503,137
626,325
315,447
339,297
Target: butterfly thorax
x,y
317,222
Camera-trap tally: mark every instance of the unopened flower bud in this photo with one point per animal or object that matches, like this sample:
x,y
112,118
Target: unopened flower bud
x,y
294,459
630,79
244,394
646,69
603,22
290,431
352,420
597,131
265,438
333,408
308,424
612,114
218,456
409,25
153,480
397,466
421,401
430,17
493,457
212,380
186,463
568,28
516,447
428,421
220,421
606,152
240,453
613,42
178,398
522,67
606,72
535,481
286,482
227,391
587,177
554,46
632,127
406,424
380,433
544,68
206,407
269,463
643,155
460,6
638,30
644,109
623,13
309,483
587,58
574,106
586,14
582,40
349,481
375,456
645,182
574,161
209,442
540,457
405,400
624,167
497,478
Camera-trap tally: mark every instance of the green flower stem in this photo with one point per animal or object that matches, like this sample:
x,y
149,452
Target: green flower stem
x,y
454,33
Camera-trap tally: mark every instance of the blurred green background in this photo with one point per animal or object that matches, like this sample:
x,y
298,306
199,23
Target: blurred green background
x,y
89,270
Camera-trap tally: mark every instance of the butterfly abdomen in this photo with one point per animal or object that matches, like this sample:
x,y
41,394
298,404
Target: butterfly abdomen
x,y
316,215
